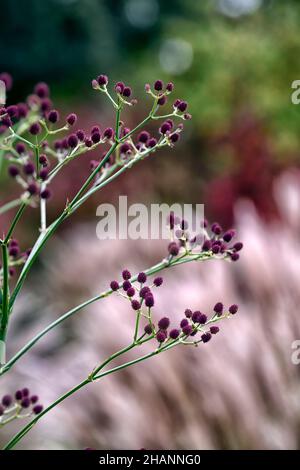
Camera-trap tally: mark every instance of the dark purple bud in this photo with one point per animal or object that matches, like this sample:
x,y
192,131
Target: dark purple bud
x,y
73,140
80,134
7,401
233,309
238,246
182,106
130,292
143,137
119,87
158,281
41,89
13,171
158,85
216,228
184,322
144,291
126,285
173,249
18,395
234,256
25,392
174,137
126,274
53,116
12,111
215,248
114,285
149,300
174,333
148,329
142,277
29,168
164,128
71,119
202,319
102,80
14,251
135,304
126,92
22,110
206,337
125,148
34,399
37,409
45,194
187,330
227,237
20,148
206,245
162,100
161,336
96,137
32,189
218,308
43,160
35,128
44,174
108,133
88,142
214,330
196,317
25,403
188,313
151,143
164,323
45,105
170,87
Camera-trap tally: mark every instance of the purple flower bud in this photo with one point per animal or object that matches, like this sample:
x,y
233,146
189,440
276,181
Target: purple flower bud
x,y
188,313
102,80
13,171
43,160
25,403
170,87
144,291
126,92
88,142
28,168
41,90
12,110
35,128
126,274
108,133
215,248
148,329
119,87
95,84
125,148
114,285
227,237
25,392
158,281
158,85
45,105
14,251
238,246
53,116
161,336
234,256
164,128
206,337
22,110
164,323
7,401
162,100
151,143
142,277
18,395
20,148
216,228
174,333
187,330
32,189
196,317
81,135
149,300
174,137
45,194
130,292
182,106
143,137
184,322
214,330
71,119
135,304
218,308
206,245
233,309
96,137
173,249
34,399
44,174
37,409
202,319
73,140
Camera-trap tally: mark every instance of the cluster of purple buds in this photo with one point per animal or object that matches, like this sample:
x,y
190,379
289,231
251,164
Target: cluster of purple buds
x,y
214,242
140,295
22,404
16,257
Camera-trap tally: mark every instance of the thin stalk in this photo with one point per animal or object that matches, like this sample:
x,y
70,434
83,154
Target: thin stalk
x,y
5,293
10,205
15,221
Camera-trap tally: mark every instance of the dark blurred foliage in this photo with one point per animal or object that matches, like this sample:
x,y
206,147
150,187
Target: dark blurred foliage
x,y
233,60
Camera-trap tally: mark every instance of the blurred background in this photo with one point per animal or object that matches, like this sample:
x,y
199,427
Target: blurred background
x,y
234,61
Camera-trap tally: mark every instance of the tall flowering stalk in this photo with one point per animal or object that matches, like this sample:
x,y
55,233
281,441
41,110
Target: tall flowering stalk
x,y
38,145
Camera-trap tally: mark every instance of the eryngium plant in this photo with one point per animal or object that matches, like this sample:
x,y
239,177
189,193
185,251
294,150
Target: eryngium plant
x,y
28,142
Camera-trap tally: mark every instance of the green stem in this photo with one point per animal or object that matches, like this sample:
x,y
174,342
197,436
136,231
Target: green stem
x,y
10,205
5,293
15,221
